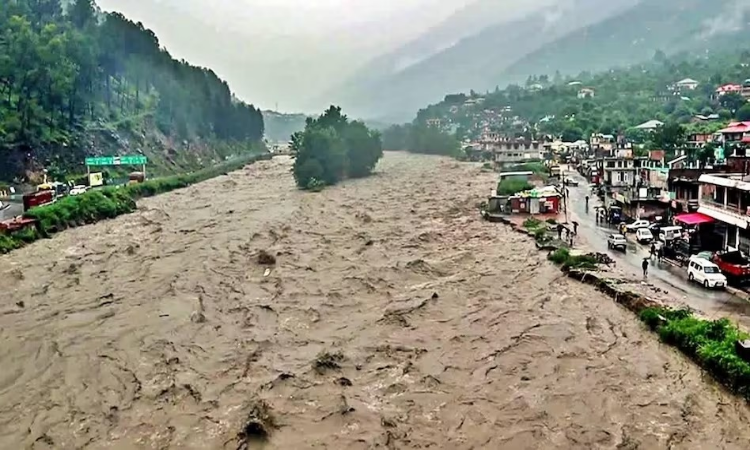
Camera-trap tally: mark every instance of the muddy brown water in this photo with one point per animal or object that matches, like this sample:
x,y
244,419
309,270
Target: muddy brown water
x,y
159,330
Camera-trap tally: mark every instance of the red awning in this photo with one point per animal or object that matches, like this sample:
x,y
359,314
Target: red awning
x,y
694,218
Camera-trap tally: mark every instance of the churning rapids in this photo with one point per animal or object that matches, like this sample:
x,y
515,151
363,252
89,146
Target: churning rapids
x,y
393,318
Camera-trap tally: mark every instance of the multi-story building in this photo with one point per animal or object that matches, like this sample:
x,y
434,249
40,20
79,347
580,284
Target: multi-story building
x,y
508,151
727,89
602,142
636,184
725,198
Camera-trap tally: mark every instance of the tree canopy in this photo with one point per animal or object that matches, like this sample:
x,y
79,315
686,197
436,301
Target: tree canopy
x,y
622,99
332,148
421,138
65,70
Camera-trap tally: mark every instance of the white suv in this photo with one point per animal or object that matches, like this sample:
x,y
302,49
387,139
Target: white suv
x,y
706,273
638,224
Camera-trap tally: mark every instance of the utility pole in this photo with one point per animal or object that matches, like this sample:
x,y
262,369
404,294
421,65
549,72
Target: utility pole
x,y
565,193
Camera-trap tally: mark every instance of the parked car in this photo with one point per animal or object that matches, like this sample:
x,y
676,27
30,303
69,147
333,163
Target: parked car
x,y
644,235
655,228
78,190
706,273
704,255
571,182
638,224
667,234
617,241
734,264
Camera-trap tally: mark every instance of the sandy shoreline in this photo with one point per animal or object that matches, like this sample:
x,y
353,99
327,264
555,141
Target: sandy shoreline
x,y
455,333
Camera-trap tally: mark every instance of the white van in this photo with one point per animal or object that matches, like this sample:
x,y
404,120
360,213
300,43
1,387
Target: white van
x,y
706,273
669,233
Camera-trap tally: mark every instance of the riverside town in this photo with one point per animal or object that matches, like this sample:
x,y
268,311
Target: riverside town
x,y
361,225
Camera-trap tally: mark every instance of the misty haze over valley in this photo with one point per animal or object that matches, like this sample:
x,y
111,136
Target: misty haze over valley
x,y
386,59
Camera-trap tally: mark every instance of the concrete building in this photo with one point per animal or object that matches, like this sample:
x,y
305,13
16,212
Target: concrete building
x,y
687,84
508,151
726,199
586,93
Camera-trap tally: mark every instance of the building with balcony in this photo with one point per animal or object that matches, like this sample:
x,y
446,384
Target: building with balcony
x,y
726,199
727,89
507,152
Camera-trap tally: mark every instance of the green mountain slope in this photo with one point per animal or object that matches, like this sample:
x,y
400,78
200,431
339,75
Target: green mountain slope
x,y
471,62
75,82
571,36
635,35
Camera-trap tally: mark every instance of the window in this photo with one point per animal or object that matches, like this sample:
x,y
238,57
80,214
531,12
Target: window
x,y
732,236
733,197
719,194
711,269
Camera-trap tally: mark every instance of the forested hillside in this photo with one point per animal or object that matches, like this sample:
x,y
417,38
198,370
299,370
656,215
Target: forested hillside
x,y
76,82
622,99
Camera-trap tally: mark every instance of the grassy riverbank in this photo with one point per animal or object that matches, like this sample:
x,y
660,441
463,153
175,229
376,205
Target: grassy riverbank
x,y
109,202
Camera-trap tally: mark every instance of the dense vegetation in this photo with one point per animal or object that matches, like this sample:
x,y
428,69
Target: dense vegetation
x,y
511,186
421,138
108,203
711,343
68,69
623,98
332,148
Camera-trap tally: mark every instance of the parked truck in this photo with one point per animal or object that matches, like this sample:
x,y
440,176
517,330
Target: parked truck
x,y
38,198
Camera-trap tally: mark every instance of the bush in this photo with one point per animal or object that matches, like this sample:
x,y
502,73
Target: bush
x,y
510,186
709,342
540,234
531,223
332,148
563,257
559,256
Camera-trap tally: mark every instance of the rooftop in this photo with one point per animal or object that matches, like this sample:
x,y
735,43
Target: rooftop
x,y
736,127
650,125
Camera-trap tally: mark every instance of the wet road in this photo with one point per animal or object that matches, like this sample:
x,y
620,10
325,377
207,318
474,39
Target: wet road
x,y
663,275
13,210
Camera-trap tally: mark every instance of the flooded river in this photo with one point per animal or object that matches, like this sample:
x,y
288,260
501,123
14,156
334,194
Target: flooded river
x,y
393,318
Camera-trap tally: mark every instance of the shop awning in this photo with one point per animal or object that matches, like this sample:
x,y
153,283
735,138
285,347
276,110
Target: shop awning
x,y
694,218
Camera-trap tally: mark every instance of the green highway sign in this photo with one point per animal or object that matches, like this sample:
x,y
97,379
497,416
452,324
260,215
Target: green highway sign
x,y
137,160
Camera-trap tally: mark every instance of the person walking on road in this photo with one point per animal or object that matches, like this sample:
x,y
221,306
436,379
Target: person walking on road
x,y
560,228
575,227
660,253
653,249
644,264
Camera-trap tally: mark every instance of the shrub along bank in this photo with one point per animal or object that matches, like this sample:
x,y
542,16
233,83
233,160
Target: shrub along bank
x,y
711,343
108,203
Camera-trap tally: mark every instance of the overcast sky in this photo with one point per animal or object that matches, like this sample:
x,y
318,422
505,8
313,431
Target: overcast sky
x,y
286,52
277,51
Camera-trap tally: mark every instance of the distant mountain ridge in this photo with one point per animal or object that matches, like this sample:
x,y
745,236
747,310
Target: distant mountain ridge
x,y
569,36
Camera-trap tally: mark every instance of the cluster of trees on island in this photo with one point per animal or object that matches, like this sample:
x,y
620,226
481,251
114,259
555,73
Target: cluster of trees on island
x,y
333,148
67,66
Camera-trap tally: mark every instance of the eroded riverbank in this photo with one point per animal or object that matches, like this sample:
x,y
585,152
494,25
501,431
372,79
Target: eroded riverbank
x,y
455,333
